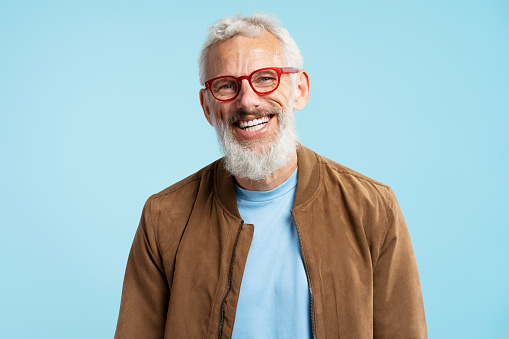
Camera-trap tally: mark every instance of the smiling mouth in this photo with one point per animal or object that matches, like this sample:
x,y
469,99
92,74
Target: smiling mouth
x,y
254,124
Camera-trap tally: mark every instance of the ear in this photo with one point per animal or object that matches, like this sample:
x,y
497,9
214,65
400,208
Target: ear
x,y
205,106
302,90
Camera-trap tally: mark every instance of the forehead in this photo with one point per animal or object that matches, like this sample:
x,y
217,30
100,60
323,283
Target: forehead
x,y
241,55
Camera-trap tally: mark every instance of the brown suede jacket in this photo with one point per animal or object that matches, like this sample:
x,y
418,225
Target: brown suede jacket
x,y
186,263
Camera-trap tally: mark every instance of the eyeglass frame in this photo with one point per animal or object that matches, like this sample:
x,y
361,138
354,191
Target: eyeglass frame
x,y
278,70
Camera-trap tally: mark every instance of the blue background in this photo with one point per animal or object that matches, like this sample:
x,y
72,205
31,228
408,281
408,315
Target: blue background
x,y
99,109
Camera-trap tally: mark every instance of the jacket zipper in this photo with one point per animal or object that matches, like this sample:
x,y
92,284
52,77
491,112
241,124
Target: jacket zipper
x,y
231,273
229,280
307,276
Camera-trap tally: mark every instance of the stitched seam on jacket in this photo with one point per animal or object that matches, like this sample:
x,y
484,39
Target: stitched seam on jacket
x,y
155,232
213,307
358,176
229,280
387,226
301,207
156,199
181,186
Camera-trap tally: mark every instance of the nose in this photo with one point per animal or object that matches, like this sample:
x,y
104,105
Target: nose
x,y
247,98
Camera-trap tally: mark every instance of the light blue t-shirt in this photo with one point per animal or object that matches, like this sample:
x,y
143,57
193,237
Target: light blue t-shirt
x,y
274,300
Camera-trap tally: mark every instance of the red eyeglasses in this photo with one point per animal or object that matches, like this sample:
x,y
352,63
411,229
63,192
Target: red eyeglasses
x,y
262,81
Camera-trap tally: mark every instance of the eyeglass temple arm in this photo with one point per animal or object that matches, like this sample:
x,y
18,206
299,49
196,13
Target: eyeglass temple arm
x,y
289,70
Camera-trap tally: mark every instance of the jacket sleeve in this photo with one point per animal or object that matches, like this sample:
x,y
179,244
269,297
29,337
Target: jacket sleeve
x,y
398,308
145,293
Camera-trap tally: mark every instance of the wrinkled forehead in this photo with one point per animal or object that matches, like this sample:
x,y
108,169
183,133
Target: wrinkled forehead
x,y
241,55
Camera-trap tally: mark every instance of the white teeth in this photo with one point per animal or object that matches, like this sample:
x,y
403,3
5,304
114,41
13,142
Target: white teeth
x,y
254,128
258,123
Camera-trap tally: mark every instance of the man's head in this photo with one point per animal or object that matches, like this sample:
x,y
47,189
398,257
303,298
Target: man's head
x,y
253,111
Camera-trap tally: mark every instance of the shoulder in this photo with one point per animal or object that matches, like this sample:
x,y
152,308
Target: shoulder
x,y
176,201
341,172
369,204
355,189
320,177
189,184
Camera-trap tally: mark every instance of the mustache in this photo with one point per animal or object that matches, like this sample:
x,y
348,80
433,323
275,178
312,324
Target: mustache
x,y
241,114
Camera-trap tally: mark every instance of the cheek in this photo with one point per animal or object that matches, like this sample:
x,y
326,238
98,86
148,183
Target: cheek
x,y
283,94
222,111
281,100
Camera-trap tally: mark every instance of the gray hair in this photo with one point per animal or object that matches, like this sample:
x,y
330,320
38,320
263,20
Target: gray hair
x,y
250,26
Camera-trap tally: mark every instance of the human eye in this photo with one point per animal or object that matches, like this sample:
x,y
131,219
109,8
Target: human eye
x,y
224,85
264,79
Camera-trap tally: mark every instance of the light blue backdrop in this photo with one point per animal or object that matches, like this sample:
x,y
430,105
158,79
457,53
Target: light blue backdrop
x,y
99,109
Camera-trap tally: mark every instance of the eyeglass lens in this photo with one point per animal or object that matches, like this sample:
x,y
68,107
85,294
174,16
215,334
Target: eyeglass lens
x,y
262,81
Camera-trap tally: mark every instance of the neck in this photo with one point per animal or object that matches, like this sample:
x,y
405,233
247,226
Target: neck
x,y
272,181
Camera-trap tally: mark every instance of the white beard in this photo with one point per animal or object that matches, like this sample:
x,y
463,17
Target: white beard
x,y
245,160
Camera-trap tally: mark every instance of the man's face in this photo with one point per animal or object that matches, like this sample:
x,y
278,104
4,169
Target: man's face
x,y
241,56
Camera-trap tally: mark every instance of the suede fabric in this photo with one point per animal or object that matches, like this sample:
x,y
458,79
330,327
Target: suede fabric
x,y
186,263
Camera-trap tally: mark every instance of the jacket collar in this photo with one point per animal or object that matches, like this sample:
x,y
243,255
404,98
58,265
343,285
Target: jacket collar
x,y
307,180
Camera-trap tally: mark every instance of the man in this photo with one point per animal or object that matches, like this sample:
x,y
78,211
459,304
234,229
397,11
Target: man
x,y
273,240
